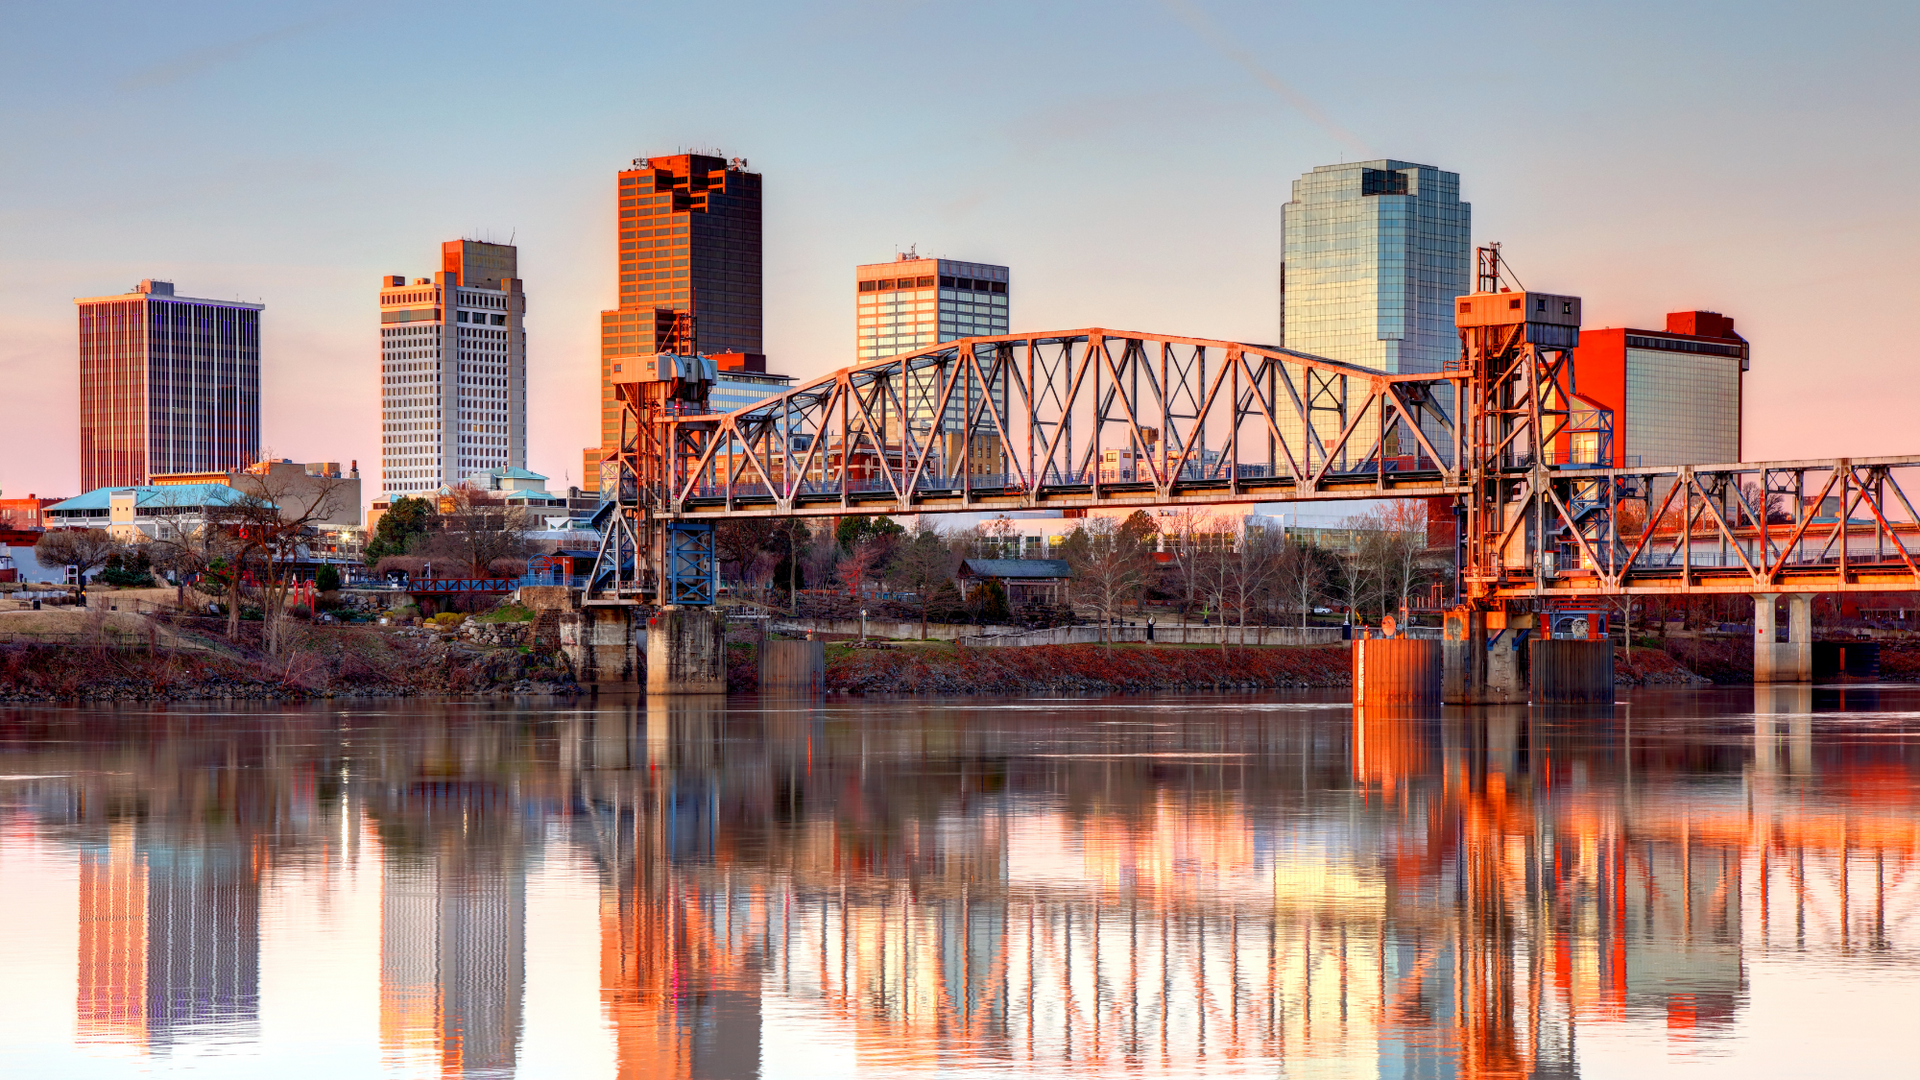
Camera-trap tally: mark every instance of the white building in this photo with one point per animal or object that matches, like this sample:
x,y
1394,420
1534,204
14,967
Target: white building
x,y
453,370
911,302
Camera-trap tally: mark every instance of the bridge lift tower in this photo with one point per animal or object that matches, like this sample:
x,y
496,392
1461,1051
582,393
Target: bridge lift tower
x,y
647,556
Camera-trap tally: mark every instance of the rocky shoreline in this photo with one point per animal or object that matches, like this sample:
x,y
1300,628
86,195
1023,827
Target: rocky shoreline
x,y
1093,669
495,660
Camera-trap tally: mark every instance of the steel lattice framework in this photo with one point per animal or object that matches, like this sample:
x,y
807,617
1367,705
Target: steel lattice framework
x,y
1097,418
1074,418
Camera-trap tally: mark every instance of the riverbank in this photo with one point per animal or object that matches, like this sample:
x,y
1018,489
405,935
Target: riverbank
x,y
1134,669
314,662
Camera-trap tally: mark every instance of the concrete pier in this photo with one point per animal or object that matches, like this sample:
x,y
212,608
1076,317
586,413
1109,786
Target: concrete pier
x,y
1789,661
686,652
603,645
1483,667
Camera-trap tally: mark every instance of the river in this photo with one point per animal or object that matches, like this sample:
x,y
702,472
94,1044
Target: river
x,y
1720,881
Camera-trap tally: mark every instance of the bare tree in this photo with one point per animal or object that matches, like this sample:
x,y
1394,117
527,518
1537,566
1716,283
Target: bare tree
x,y
476,530
1253,564
1187,535
1302,575
267,525
922,565
1110,564
86,550
1394,540
1356,576
182,542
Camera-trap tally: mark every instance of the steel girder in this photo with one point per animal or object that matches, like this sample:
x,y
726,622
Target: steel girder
x,y
1074,418
1827,526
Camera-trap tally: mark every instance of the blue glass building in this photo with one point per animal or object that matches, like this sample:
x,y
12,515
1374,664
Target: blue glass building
x,y
1376,251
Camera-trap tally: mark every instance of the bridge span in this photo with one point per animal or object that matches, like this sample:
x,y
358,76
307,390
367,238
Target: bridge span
x,y
1097,418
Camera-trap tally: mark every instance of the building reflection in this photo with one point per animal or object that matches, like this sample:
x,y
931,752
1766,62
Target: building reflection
x,y
452,900
1047,888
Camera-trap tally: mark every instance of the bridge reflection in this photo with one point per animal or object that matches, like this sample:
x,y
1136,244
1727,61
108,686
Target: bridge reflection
x,y
1228,885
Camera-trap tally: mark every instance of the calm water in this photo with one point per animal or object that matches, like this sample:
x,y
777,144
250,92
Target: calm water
x,y
1702,882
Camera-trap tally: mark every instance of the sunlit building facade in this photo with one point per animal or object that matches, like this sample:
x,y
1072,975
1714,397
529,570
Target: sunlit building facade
x,y
910,303
453,370
168,384
1675,393
1376,251
689,260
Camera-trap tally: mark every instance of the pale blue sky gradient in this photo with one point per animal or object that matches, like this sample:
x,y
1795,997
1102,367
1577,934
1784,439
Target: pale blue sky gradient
x,y
1128,159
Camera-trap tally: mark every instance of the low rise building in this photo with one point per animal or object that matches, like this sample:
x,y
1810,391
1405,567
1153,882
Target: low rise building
x,y
18,563
136,515
1675,394
298,488
24,513
1025,581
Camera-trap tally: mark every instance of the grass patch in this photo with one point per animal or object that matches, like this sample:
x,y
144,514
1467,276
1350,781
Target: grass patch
x,y
507,612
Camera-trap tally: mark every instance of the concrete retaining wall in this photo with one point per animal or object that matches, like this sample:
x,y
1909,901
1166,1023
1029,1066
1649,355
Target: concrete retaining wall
x,y
882,628
793,666
989,636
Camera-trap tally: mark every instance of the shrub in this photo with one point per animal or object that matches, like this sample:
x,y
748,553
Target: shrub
x,y
327,580
447,620
121,577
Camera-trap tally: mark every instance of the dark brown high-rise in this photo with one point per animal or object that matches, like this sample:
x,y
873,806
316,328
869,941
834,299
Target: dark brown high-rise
x,y
689,271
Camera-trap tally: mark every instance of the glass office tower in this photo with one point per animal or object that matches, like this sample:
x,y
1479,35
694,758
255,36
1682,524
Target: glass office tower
x,y
168,384
1376,251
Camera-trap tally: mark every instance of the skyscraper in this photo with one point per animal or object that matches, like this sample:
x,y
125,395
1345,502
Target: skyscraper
x,y
910,302
689,272
168,384
453,370
1376,251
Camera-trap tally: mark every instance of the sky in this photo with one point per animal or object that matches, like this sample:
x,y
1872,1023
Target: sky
x,y
1128,159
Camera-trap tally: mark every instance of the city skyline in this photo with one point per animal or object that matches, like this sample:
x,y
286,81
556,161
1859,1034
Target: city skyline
x,y
349,198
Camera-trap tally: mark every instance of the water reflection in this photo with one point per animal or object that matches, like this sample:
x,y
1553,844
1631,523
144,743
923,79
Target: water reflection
x,y
789,888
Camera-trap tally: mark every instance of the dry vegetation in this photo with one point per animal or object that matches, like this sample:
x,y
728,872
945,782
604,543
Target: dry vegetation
x,y
120,656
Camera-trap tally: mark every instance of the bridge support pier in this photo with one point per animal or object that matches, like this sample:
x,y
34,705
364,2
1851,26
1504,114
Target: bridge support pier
x,y
1396,671
1479,670
1789,661
687,652
599,642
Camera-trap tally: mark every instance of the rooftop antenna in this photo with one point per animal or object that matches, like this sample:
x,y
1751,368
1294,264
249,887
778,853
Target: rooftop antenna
x,y
1489,263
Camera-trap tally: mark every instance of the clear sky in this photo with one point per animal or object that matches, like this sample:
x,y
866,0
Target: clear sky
x,y
1127,158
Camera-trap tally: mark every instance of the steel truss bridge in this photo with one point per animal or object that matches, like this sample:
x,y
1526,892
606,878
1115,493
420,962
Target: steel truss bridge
x,y
1107,419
